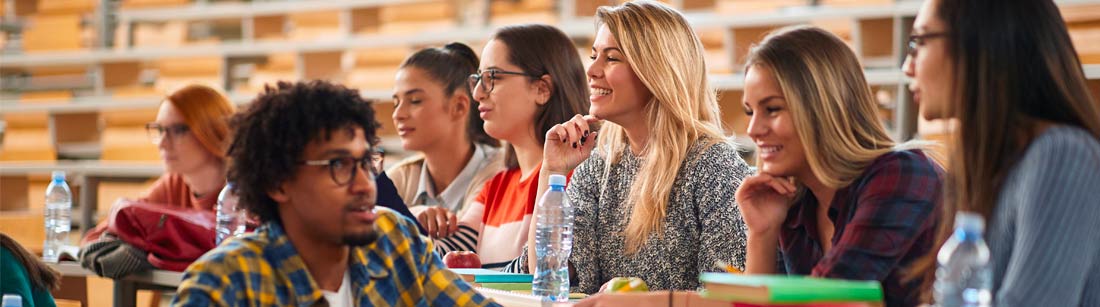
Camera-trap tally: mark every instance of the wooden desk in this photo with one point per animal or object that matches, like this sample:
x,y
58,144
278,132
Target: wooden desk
x,y
127,287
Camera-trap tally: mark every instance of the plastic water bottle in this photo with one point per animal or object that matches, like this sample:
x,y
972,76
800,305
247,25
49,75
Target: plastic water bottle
x,y
12,300
231,221
553,242
963,277
59,211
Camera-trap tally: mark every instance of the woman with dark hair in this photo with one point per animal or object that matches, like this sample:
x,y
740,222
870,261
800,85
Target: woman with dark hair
x,y
436,115
1027,146
22,273
529,79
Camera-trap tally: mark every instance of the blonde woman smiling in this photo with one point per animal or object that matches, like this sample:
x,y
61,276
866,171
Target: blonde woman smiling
x,y
654,194
837,196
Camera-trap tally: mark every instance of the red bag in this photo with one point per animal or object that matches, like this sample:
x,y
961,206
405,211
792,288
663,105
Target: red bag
x,y
173,237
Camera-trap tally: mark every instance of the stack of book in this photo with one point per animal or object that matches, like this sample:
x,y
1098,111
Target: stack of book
x,y
790,291
508,289
496,280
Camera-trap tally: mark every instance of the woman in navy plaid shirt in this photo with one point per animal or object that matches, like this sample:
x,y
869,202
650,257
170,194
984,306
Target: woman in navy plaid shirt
x,y
834,193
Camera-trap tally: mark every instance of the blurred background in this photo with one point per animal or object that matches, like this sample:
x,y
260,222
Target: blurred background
x,y
80,78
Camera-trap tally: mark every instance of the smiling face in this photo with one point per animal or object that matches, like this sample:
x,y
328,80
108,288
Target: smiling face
x,y
312,205
772,126
618,94
423,111
180,151
509,109
931,70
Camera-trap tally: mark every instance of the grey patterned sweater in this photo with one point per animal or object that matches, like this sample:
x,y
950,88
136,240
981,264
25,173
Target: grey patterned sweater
x,y
702,225
1044,235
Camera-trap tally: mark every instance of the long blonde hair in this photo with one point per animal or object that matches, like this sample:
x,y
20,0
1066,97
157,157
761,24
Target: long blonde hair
x,y
668,58
832,105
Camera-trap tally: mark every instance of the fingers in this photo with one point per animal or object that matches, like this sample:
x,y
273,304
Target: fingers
x,y
581,122
438,221
569,143
441,227
780,185
429,223
423,219
557,134
765,183
453,223
574,133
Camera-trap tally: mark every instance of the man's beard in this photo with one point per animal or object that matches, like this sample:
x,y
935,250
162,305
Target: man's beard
x,y
360,239
363,238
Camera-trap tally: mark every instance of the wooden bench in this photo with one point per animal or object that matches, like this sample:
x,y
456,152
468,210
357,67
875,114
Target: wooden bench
x,y
124,137
415,17
532,11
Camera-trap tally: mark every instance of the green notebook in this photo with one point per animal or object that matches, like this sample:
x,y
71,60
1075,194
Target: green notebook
x,y
490,276
784,289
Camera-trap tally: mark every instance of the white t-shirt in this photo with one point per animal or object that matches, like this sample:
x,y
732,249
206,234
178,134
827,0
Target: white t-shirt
x,y
342,297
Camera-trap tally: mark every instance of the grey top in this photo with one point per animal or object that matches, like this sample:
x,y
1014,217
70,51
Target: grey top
x,y
1044,236
702,225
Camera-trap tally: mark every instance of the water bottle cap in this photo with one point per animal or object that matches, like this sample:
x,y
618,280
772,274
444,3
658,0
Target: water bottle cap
x,y
12,300
557,180
58,175
969,221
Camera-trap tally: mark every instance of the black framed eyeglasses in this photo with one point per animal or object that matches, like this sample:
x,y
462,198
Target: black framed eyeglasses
x,y
158,132
478,80
917,41
344,169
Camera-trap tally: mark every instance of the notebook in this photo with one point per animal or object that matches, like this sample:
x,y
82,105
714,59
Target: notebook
x,y
490,276
822,304
518,299
783,289
510,286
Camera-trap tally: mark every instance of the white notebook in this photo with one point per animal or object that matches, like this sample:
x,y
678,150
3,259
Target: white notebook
x,y
517,299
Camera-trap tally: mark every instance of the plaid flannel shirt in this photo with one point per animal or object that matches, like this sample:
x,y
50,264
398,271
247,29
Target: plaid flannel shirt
x,y
883,221
264,269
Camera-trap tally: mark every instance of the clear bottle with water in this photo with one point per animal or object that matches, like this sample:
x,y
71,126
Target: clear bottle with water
x,y
553,242
59,211
963,276
231,220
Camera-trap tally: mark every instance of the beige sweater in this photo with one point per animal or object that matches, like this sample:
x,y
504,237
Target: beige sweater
x,y
406,177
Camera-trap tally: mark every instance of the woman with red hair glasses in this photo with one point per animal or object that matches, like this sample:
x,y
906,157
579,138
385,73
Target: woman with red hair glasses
x,y
191,131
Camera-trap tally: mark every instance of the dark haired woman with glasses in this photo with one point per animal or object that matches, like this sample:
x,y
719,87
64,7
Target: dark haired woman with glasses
x,y
1026,150
529,79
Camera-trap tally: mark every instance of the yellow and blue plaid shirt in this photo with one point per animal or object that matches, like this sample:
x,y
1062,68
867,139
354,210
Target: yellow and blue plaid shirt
x,y
264,269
